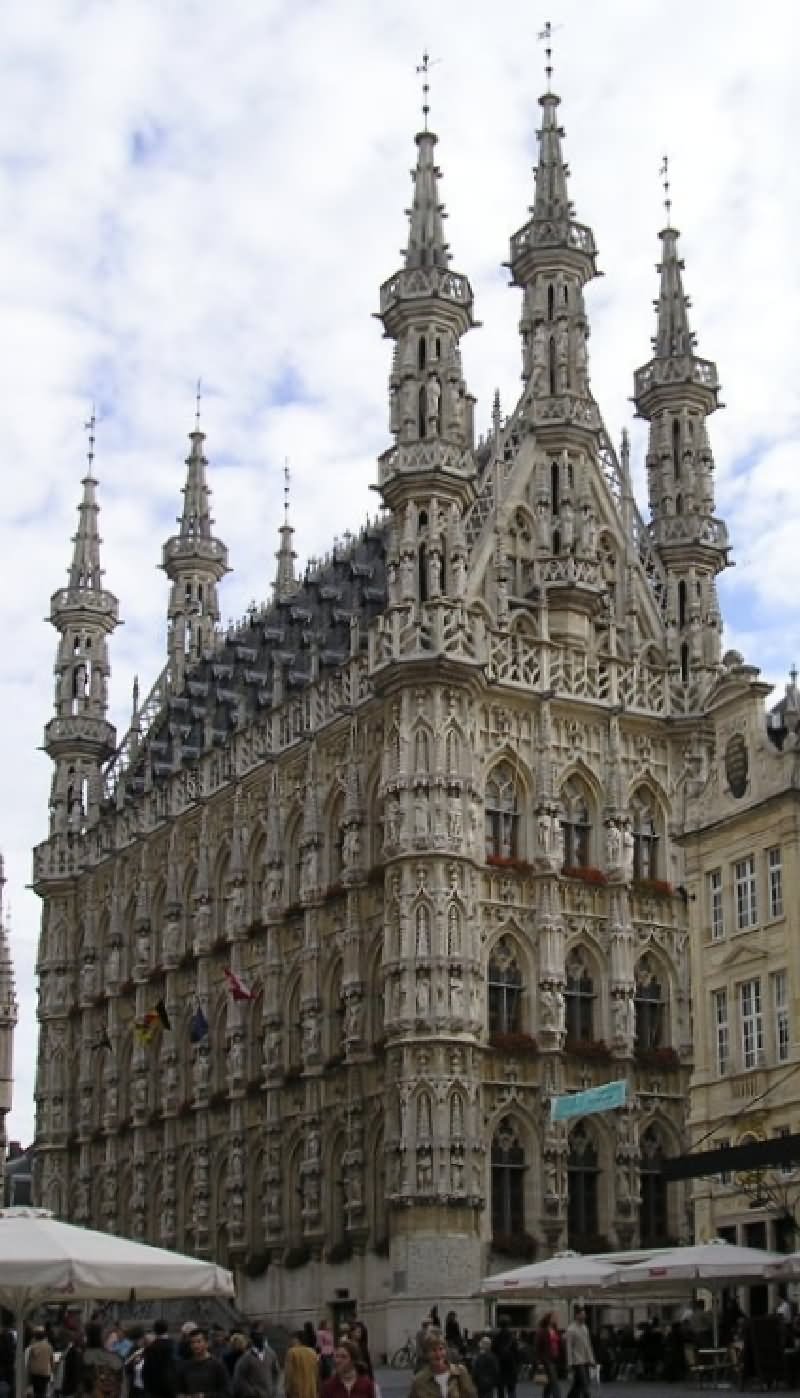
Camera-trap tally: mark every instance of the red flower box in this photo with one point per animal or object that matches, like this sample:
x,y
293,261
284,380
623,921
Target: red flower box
x,y
659,887
508,861
586,874
588,1048
665,1058
514,1043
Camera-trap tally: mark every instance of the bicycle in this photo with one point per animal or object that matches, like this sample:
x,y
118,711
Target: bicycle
x,y
405,1357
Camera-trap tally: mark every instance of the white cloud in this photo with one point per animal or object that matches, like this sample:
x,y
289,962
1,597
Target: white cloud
x,y
248,242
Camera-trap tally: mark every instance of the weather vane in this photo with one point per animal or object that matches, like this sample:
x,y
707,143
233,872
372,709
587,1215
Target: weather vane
x,y
664,173
89,427
424,68
545,36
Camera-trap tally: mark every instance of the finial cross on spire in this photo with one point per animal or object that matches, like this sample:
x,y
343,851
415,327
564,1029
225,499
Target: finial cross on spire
x,y
197,399
424,68
286,482
545,36
664,173
89,428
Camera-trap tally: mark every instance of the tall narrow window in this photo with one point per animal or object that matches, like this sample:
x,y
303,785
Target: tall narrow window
x,y
504,989
681,604
421,352
676,449
645,838
752,1023
775,874
720,1029
582,1180
422,568
508,1181
555,495
684,664
780,1007
421,406
649,1006
653,1187
502,813
744,882
551,366
551,301
579,1001
716,908
576,826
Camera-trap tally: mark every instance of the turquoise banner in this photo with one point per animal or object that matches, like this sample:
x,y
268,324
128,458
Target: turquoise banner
x,y
594,1099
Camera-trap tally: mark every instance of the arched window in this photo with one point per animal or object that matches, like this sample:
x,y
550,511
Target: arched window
x,y
551,364
676,449
645,837
555,491
681,604
424,1117
684,664
504,989
582,1181
579,1000
456,1116
294,1032
576,825
452,753
422,569
421,352
551,301
421,405
508,1181
422,931
421,751
453,931
650,1006
653,1213
502,813
335,1013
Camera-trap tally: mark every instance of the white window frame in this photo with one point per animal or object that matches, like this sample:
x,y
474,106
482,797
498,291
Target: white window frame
x,y
780,1007
745,893
775,881
751,1019
716,905
722,1036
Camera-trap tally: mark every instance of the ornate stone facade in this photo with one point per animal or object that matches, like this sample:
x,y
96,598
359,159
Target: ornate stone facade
x,y
425,804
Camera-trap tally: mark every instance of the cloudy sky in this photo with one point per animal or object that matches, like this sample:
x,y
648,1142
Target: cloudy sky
x,y
193,189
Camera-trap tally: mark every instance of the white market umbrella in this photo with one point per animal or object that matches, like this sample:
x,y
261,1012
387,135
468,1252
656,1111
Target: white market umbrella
x,y
788,1265
43,1259
711,1265
565,1274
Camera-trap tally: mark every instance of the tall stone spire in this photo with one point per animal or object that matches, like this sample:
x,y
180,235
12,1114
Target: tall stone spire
x,y
8,1018
676,391
426,308
195,562
552,258
79,737
285,582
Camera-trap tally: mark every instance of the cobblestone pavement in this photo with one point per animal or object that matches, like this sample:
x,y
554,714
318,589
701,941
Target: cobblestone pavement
x,y
395,1383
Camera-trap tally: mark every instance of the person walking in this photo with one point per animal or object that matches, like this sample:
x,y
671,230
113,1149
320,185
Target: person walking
x,y
347,1381
301,1372
580,1355
485,1369
325,1348
547,1350
256,1372
40,1362
439,1378
159,1368
506,1351
201,1373
360,1338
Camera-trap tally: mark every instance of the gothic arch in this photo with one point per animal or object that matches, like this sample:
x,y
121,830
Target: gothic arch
x,y
422,915
333,1009
157,920
254,863
654,1020
513,1184
218,1202
581,802
218,888
454,930
648,806
292,1032
293,868
585,990
375,991
335,1212
188,890
374,810
423,1115
375,1177
218,1033
254,1035
590,1182
293,1190
505,802
522,623
509,976
334,833
422,748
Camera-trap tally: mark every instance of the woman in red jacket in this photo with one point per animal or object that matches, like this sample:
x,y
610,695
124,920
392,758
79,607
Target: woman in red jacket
x,y
346,1381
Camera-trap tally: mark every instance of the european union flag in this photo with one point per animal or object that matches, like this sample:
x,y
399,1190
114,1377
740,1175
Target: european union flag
x,y
198,1028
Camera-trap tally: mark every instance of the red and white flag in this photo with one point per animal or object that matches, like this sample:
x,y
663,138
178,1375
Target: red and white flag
x,y
237,987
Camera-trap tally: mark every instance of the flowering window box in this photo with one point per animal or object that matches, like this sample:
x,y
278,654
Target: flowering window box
x,y
514,1043
658,888
588,1048
508,861
664,1057
597,877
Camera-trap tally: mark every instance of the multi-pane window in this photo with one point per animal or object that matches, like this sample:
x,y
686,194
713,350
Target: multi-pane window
x,y
504,989
582,1197
653,1187
576,826
508,1181
775,876
502,813
722,1042
744,883
780,1006
579,1001
752,1023
645,838
715,904
649,1006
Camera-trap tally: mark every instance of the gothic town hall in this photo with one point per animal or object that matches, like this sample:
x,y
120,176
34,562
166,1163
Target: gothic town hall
x,y
375,874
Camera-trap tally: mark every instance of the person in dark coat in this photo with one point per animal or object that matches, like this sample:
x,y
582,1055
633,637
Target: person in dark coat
x,y
202,1373
485,1369
159,1367
506,1351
